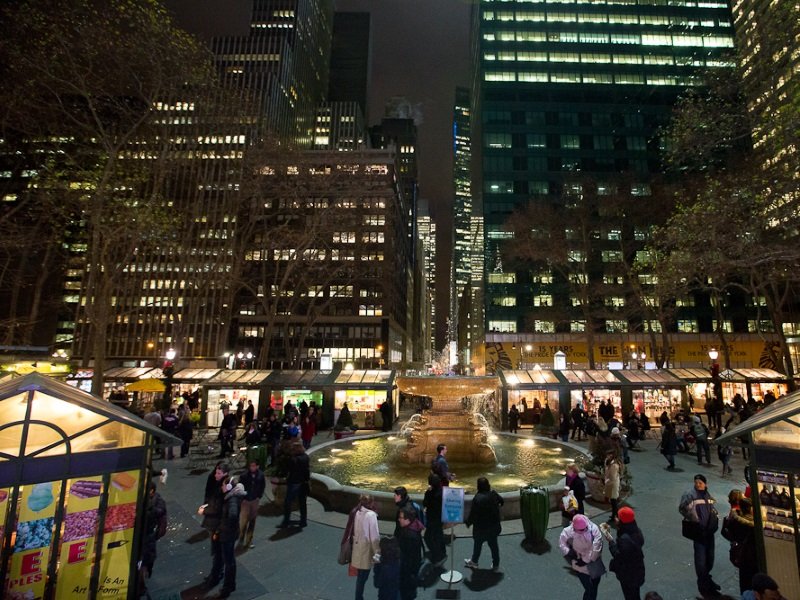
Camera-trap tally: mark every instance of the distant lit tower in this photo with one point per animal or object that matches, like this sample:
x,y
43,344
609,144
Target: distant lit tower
x,y
462,203
284,60
427,236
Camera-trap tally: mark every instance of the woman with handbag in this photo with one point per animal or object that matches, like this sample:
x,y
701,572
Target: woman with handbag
x,y
366,541
581,543
743,542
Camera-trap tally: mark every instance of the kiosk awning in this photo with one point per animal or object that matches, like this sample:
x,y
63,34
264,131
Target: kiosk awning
x,y
369,378
296,378
780,422
195,374
126,373
238,378
691,375
649,377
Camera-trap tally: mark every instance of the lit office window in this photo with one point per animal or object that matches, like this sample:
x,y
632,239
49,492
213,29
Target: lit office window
x,y
544,326
543,300
500,76
532,77
577,326
725,326
504,301
594,38
595,58
502,278
616,326
503,326
687,326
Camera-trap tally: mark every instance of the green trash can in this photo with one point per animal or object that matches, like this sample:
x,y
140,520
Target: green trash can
x,y
259,454
534,506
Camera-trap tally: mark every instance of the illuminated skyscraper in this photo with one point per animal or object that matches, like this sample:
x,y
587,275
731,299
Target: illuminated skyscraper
x,y
462,202
572,92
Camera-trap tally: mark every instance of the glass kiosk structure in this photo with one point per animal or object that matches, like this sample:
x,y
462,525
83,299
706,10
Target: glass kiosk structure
x,y
773,436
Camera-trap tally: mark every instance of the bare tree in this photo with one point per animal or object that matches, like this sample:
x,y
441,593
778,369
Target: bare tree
x,y
87,81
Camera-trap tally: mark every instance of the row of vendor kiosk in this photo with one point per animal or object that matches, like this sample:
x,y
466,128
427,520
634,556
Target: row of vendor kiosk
x,y
649,391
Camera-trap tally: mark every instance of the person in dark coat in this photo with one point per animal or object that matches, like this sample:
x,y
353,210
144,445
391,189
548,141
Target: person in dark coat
x,y
513,419
155,527
484,518
185,432
249,412
572,480
299,474
387,570
697,506
434,533
669,444
410,540
227,432
628,561
223,538
743,543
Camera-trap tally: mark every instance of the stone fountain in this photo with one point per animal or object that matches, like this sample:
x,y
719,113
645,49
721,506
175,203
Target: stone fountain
x,y
451,420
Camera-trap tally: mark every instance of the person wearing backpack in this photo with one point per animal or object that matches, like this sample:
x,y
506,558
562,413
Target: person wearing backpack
x,y
700,523
700,432
403,500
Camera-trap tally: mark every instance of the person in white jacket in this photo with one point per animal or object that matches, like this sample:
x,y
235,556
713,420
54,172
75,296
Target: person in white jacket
x,y
366,541
581,543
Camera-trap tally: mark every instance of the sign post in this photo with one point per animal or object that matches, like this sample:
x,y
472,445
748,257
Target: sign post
x,y
452,514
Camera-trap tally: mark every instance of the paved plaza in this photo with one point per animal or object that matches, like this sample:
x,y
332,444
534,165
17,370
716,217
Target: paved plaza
x,y
301,564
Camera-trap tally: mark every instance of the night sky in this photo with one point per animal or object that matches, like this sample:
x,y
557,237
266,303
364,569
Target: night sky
x,y
420,50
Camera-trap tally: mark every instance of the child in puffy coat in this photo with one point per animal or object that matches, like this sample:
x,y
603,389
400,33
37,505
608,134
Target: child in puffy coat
x,y
581,543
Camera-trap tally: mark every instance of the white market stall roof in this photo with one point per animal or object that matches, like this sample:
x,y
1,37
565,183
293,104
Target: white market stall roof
x,y
530,377
779,422
195,374
364,377
127,372
238,377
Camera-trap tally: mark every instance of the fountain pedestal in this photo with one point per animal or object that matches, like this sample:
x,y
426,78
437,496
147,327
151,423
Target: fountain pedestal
x,y
452,420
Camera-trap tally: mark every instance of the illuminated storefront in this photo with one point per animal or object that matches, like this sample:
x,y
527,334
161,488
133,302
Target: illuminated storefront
x,y
228,387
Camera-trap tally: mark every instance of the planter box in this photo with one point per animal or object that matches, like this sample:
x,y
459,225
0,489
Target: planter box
x,y
596,486
345,433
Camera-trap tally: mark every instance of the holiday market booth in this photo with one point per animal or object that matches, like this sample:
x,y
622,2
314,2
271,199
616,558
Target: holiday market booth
x,y
773,436
73,476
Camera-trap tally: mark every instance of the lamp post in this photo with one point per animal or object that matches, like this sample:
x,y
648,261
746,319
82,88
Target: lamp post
x,y
379,349
169,370
713,354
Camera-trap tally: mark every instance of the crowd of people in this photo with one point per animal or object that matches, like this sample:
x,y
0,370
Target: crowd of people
x,y
400,562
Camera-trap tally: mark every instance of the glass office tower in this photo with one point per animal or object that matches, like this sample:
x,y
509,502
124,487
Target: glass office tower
x,y
569,90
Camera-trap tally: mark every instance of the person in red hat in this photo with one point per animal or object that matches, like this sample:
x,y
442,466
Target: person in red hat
x,y
628,559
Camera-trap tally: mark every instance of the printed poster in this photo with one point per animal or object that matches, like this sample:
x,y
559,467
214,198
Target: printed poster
x,y
27,573
79,537
116,554
5,494
452,504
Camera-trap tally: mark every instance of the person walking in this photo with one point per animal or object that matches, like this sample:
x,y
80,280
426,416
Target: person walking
x,y
724,453
484,518
254,484
434,532
249,412
611,479
366,541
581,543
669,444
628,559
299,474
410,540
700,523
227,432
185,431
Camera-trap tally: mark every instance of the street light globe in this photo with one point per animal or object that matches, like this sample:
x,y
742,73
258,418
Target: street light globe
x,y
713,354
170,354
348,366
249,356
240,355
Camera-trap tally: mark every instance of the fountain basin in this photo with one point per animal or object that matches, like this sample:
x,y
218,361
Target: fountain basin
x,y
376,468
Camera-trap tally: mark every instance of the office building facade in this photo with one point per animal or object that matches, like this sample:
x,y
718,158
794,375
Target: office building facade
x,y
570,98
